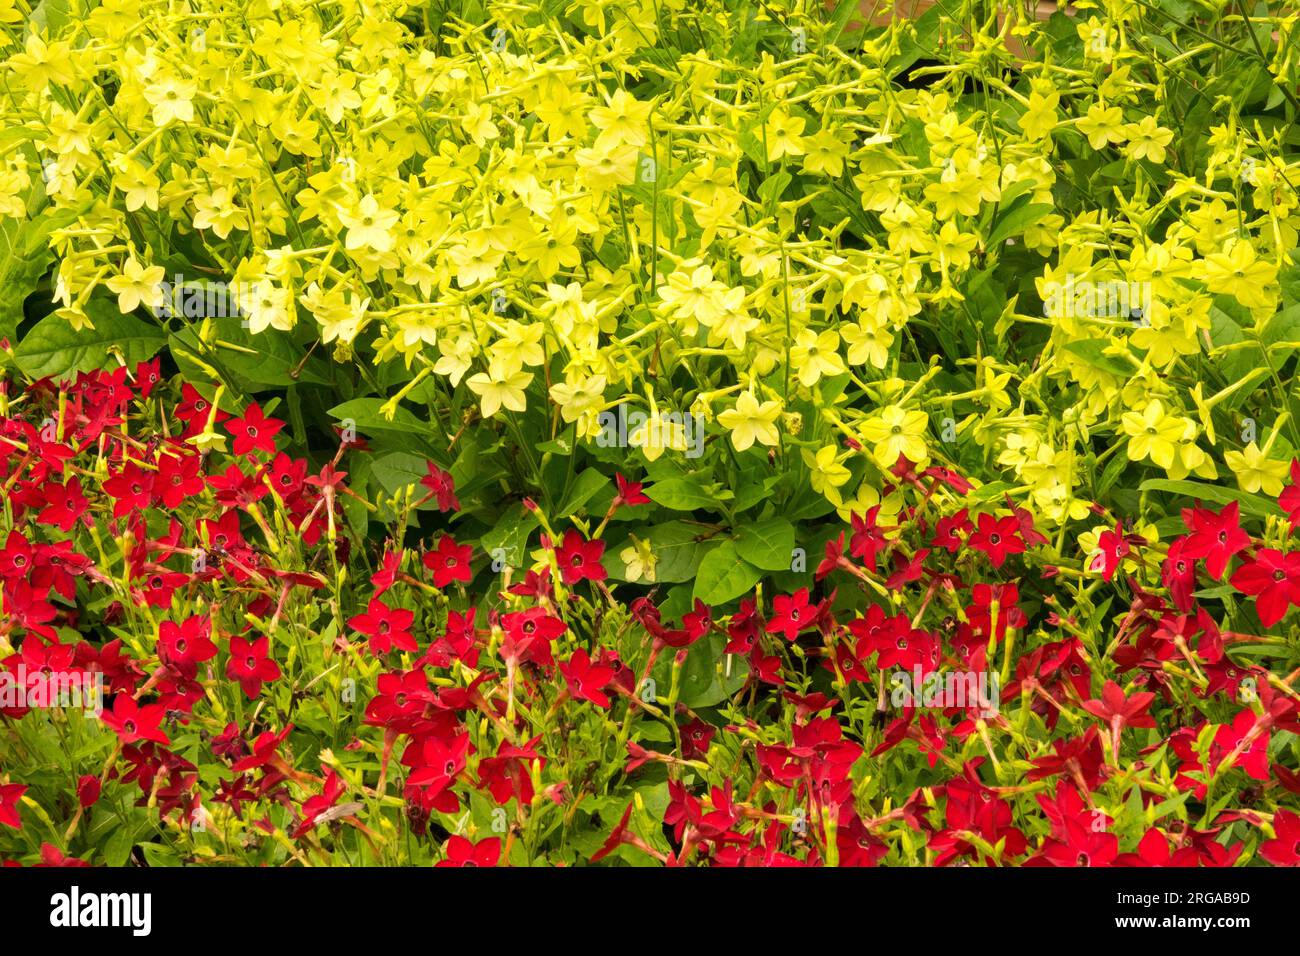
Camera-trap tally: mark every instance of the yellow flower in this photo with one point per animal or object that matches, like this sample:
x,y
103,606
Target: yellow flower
x,y
1153,434
1102,125
782,135
1239,273
826,472
369,226
500,387
750,422
625,121
1147,139
137,286
814,355
1255,471
896,431
640,560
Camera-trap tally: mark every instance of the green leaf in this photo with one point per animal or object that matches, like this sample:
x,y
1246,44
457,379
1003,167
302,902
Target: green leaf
x,y
766,544
1093,351
1255,505
681,494
365,412
510,534
398,469
705,681
54,348
724,575
252,360
1018,217
589,483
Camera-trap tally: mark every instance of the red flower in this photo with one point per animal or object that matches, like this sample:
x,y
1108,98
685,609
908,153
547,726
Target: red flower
x,y
450,562
441,486
1216,538
629,492
313,808
131,489
10,794
1154,850
1120,712
52,856
147,375
1290,497
88,788
1273,579
250,665
462,852
1112,547
1178,574
254,431
791,614
586,679
188,643
386,627
579,559
178,478
867,539
1284,850
133,722
531,632
64,504
998,538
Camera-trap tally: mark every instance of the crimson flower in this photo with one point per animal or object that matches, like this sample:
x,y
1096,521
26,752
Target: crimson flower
x,y
441,486
1289,500
1216,538
997,538
450,562
1273,579
133,722
254,431
1121,712
313,808
791,614
463,852
1284,849
88,789
867,539
1178,574
10,794
386,627
250,665
629,492
586,679
1112,547
1154,850
187,643
579,559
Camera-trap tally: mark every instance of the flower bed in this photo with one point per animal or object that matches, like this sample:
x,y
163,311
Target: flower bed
x,y
688,434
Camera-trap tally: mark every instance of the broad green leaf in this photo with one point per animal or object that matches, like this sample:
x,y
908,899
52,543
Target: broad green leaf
x,y
1018,217
54,348
724,575
1255,505
584,489
1093,351
365,412
766,544
681,494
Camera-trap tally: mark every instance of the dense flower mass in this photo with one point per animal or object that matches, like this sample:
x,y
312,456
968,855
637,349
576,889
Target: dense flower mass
x,y
671,433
